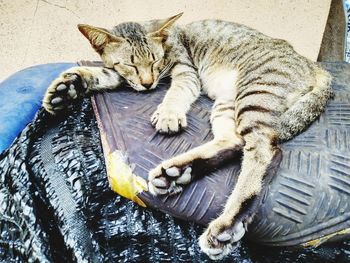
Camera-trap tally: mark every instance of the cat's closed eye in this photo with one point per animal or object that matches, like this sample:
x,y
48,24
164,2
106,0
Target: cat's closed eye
x,y
133,66
124,68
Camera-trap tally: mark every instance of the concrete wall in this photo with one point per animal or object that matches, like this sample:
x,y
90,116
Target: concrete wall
x,y
42,31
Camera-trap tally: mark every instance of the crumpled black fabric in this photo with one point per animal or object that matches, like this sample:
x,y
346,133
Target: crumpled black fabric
x,y
56,206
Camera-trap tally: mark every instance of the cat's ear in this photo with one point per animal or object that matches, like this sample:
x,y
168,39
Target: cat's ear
x,y
161,27
98,37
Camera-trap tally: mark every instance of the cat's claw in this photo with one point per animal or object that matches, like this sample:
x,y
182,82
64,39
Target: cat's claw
x,y
62,91
169,181
217,242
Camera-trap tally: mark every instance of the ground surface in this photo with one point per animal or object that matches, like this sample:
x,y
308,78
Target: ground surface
x,y
43,31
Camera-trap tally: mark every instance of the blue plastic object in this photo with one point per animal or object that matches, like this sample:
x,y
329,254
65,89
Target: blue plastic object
x,y
20,98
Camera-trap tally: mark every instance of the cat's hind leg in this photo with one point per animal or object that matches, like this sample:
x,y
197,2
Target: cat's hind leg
x,y
75,83
261,158
170,176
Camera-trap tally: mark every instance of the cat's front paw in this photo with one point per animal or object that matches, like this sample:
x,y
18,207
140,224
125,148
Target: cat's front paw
x,y
167,120
220,238
62,91
168,179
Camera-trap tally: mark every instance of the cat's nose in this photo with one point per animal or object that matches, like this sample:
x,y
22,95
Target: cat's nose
x,y
147,86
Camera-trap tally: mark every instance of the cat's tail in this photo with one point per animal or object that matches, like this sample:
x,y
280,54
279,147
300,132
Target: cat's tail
x,y
304,111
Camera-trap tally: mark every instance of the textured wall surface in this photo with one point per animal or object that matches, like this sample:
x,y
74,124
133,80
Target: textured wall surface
x,y
42,31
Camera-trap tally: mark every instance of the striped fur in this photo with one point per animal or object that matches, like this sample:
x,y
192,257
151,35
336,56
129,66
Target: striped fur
x,y
264,93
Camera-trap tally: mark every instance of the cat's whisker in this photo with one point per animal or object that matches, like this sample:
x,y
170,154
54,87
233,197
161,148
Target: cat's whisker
x,y
164,76
166,69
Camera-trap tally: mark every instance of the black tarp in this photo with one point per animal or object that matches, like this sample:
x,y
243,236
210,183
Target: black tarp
x,y
56,206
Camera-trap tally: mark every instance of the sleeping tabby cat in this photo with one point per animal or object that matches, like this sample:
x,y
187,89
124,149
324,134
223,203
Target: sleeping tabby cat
x,y
263,92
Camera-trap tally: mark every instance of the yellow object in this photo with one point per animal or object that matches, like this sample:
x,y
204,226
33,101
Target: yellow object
x,y
122,179
319,241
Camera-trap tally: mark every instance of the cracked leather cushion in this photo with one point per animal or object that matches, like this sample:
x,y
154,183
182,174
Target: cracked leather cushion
x,y
306,200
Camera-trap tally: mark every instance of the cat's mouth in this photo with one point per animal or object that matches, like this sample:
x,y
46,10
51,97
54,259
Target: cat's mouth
x,y
142,88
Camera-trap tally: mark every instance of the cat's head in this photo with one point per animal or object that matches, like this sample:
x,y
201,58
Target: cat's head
x,y
134,50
